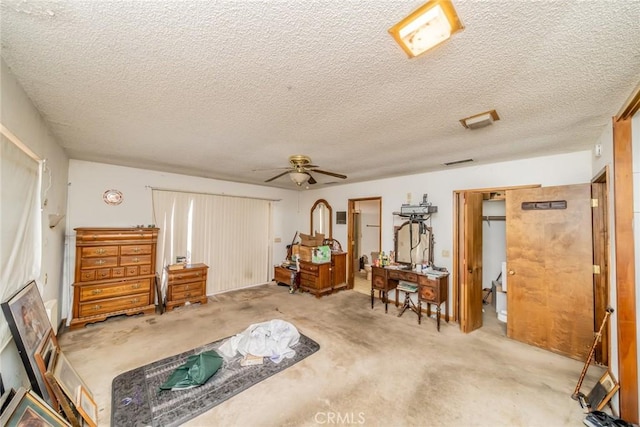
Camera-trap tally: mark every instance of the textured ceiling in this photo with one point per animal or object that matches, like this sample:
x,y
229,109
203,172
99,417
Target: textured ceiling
x,y
219,89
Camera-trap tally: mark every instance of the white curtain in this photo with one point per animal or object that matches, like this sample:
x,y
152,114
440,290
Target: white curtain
x,y
232,235
20,223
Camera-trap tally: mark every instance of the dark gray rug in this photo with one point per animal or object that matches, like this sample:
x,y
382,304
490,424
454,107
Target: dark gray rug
x,y
136,399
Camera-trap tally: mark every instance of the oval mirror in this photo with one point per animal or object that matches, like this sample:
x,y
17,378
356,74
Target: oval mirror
x,y
321,214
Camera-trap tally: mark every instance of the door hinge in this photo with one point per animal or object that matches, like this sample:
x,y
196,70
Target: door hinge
x,y
594,203
596,269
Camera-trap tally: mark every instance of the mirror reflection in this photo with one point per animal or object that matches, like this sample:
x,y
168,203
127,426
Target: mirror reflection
x,y
321,214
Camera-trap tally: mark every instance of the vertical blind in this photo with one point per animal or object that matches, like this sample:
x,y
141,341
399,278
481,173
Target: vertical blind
x,y
232,235
20,223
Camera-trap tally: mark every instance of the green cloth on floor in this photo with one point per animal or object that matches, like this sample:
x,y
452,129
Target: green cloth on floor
x,y
194,372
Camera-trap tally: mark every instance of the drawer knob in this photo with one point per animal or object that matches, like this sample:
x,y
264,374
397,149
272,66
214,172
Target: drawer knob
x,y
100,262
135,286
136,250
135,301
96,291
179,276
186,287
97,307
198,274
101,251
136,259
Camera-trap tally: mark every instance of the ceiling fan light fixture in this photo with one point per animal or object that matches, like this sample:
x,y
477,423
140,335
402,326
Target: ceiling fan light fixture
x,y
426,27
481,120
299,178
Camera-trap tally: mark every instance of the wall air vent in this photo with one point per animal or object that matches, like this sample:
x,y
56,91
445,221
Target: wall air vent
x,y
457,162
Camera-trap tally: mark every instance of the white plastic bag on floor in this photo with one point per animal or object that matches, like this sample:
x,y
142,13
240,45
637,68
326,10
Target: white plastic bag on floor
x,y
272,339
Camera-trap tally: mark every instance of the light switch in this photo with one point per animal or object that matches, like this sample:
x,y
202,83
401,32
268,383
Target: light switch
x,y
445,253
277,240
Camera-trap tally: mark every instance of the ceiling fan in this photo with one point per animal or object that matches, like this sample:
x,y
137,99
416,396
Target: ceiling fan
x,y
300,171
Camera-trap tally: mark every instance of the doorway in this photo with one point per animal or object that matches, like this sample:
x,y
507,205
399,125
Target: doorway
x,y
548,238
364,238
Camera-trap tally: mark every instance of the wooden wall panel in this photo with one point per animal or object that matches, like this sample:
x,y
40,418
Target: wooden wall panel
x,y
625,270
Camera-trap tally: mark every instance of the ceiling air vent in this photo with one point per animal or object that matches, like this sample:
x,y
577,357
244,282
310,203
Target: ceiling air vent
x,y
457,162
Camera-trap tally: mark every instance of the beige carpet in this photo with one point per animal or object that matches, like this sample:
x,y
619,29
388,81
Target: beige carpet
x,y
372,368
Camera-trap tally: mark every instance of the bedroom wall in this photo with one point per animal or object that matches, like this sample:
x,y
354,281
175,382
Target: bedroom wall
x,y
88,181
563,169
20,117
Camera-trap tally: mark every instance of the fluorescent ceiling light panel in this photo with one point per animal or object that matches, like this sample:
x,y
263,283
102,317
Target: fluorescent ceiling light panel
x,y
426,27
481,120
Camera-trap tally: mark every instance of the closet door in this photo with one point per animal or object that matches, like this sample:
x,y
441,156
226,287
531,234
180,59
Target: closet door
x,y
549,267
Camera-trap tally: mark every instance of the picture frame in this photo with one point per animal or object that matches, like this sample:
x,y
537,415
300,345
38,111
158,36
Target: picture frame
x,y
29,325
67,377
602,392
45,357
87,407
27,408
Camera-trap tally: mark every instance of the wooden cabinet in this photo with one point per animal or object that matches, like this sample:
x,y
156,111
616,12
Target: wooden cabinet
x,y
380,283
114,273
339,270
284,275
322,279
186,285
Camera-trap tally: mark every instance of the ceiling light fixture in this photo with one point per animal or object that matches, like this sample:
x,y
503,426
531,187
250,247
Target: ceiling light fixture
x,y
299,178
481,120
426,27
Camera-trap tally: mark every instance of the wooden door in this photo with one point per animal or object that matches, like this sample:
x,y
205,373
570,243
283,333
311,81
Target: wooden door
x,y
549,268
470,265
601,272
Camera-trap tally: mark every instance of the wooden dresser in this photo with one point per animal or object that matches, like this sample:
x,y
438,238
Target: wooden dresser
x,y
325,278
186,285
114,273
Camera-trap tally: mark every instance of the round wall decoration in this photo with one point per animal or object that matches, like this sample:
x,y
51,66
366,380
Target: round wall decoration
x,y
112,197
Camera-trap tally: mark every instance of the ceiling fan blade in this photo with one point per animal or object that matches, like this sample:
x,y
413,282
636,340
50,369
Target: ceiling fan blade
x,y
277,176
311,179
337,175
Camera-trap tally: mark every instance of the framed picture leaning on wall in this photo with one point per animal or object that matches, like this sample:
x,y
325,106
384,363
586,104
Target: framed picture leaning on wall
x,y
27,409
29,325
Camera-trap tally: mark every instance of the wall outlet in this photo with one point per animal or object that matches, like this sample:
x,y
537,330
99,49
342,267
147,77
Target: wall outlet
x,y
445,253
408,198
277,240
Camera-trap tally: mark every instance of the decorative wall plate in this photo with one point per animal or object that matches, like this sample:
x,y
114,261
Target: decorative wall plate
x,y
112,197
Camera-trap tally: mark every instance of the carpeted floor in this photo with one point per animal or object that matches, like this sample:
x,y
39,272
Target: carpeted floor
x,y
373,369
136,398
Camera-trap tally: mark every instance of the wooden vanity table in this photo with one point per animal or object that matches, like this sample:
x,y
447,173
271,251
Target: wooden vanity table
x,y
431,289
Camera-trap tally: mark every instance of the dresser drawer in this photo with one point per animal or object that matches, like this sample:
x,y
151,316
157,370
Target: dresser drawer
x,y
429,293
87,275
186,291
135,250
99,251
113,304
131,271
101,262
308,280
117,272
187,275
403,275
135,259
103,273
103,290
310,268
377,282
96,235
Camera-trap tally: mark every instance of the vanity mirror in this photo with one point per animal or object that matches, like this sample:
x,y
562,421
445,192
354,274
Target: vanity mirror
x,y
321,214
414,243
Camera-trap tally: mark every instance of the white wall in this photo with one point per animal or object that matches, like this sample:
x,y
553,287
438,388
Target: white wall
x,y
369,218
494,241
88,181
21,118
561,169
